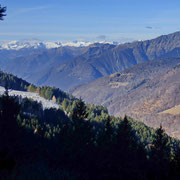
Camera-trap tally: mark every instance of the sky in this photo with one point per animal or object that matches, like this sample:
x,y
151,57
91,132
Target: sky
x,y
89,20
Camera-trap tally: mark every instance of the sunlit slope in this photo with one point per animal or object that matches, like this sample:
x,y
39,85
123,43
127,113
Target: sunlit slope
x,y
142,92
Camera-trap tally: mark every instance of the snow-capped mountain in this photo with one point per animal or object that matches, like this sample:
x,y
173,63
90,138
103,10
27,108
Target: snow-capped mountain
x,y
38,44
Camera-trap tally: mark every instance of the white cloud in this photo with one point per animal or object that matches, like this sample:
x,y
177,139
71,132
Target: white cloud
x,y
101,37
27,10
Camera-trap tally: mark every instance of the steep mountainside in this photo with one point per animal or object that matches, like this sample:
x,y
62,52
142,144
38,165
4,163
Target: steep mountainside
x,y
66,67
93,64
35,65
78,70
144,92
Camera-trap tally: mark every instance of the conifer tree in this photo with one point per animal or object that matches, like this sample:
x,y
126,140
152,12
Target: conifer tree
x,y
9,130
80,137
160,154
160,151
176,161
2,12
125,135
9,111
65,104
177,157
79,110
81,127
108,131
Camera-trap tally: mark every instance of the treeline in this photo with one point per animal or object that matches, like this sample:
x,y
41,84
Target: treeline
x,y
86,144
13,82
50,93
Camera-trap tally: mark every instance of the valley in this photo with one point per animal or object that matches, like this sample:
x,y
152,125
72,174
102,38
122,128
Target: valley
x,y
144,92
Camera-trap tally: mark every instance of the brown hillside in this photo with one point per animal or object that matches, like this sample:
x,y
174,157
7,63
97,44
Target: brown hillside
x,y
142,92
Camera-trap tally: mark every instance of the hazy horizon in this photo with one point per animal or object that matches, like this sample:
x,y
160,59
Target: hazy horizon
x,y
95,20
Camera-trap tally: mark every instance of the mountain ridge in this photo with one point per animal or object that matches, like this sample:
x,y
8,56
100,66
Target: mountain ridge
x,y
142,92
116,59
78,65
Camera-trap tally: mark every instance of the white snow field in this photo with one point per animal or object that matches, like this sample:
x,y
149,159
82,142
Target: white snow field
x,y
46,103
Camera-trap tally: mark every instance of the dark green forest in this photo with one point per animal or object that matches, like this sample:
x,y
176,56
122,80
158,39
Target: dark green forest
x,y
13,82
80,141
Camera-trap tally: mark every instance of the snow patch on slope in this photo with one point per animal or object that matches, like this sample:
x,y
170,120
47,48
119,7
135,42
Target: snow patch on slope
x,y
45,103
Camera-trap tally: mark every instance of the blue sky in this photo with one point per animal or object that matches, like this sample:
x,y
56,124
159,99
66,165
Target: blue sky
x,y
89,20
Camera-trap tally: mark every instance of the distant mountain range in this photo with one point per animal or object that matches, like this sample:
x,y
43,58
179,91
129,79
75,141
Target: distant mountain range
x,y
38,44
103,59
39,65
68,66
149,92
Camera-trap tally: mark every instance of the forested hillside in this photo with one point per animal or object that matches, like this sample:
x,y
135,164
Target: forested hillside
x,y
87,144
79,141
13,82
47,92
